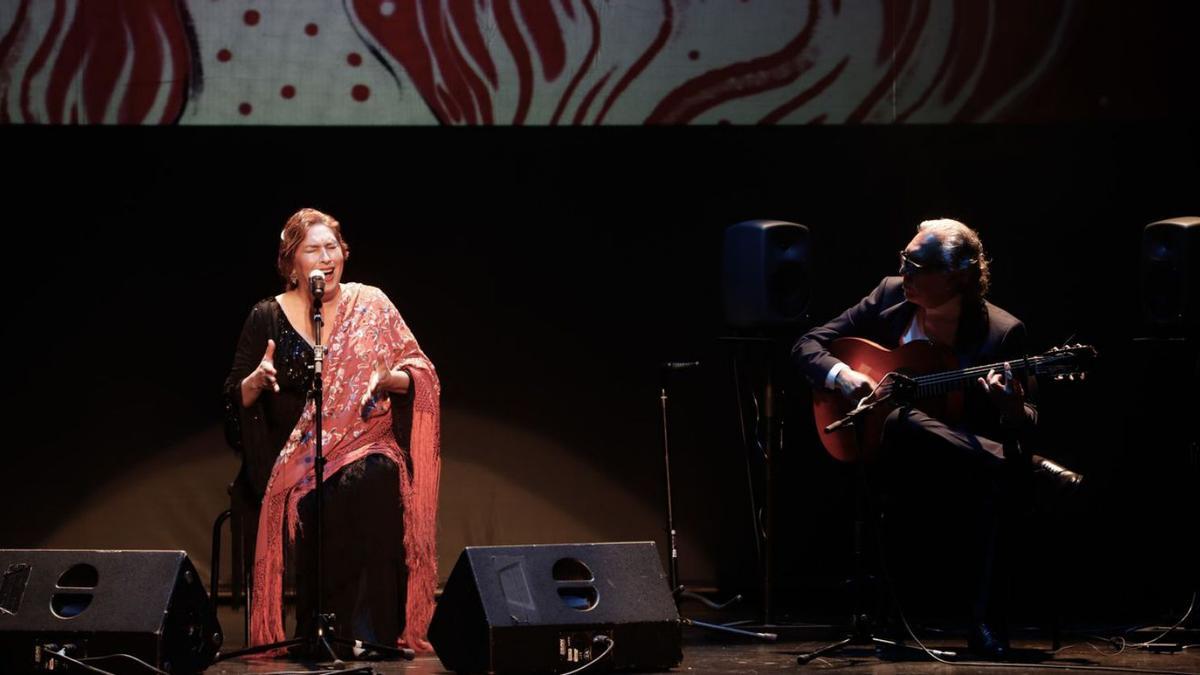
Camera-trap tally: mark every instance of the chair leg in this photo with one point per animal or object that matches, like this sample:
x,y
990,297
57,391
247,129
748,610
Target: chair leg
x,y
246,607
215,569
237,558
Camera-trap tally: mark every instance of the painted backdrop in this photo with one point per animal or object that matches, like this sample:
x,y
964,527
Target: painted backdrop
x,y
539,62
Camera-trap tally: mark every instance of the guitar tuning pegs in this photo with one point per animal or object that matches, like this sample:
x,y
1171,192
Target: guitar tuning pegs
x,y
1083,376
1071,377
1058,378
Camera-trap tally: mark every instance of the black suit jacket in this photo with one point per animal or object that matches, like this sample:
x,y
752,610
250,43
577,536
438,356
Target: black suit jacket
x,y
986,334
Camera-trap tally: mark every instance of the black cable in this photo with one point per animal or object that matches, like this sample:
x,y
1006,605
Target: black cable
x,y
365,670
62,654
127,656
990,664
754,514
1146,644
589,664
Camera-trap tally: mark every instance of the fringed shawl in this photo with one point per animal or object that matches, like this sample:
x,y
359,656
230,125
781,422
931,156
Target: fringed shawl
x,y
367,332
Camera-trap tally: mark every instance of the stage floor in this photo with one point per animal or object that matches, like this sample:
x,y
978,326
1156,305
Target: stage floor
x,y
705,652
781,658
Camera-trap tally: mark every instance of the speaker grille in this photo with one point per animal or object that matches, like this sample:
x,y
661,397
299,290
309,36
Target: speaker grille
x,y
1171,273
766,273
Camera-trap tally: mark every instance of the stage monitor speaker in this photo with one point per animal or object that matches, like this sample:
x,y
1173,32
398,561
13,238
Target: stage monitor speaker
x,y
146,604
1171,273
767,273
554,608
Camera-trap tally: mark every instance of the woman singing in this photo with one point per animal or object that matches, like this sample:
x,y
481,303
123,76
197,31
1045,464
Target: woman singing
x,y
380,431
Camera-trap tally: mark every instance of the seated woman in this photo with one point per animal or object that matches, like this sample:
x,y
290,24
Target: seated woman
x,y
380,431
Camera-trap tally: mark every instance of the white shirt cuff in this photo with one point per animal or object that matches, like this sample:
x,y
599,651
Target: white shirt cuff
x,y
831,378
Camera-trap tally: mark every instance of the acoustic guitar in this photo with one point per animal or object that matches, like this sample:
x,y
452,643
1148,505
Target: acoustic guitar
x,y
922,375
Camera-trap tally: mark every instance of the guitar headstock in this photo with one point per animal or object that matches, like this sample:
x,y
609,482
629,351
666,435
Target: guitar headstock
x,y
1069,362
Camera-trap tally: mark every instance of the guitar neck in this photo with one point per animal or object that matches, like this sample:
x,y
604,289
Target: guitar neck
x,y
937,384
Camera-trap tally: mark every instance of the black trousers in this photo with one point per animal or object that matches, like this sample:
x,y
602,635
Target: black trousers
x,y
365,578
946,504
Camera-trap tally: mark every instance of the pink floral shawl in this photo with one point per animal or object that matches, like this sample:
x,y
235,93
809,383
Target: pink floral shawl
x,y
367,331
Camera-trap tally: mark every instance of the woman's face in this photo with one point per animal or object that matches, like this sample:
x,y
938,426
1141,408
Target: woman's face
x,y
320,250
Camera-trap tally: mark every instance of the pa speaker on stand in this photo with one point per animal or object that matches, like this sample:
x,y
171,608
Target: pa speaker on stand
x,y
1171,275
767,283
766,274
1165,409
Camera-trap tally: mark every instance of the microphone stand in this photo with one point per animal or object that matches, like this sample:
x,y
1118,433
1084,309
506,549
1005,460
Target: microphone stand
x,y
323,637
324,622
678,590
862,624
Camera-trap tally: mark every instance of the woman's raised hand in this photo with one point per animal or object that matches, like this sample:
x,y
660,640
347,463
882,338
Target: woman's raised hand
x,y
262,378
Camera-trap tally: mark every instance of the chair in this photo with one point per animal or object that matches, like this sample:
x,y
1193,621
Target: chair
x,y
242,516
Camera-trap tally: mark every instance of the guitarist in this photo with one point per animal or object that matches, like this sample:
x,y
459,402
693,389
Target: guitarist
x,y
940,296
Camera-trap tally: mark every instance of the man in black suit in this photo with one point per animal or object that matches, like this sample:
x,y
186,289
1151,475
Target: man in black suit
x,y
940,296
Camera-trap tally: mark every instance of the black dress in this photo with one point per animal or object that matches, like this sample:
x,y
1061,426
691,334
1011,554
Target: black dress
x,y
364,575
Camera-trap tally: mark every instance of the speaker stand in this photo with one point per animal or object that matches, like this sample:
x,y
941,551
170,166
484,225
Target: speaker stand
x,y
762,518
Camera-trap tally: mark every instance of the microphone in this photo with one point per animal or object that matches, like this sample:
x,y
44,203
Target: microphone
x,y
679,365
839,424
316,284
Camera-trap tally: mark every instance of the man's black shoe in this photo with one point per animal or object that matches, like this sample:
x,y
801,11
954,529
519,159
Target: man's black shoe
x,y
1063,479
984,643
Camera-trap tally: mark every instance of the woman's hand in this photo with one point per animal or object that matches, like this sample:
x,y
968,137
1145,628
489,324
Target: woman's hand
x,y
1006,392
378,376
383,381
262,378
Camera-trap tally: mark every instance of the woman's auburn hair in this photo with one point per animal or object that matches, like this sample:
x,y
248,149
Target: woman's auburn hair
x,y
293,235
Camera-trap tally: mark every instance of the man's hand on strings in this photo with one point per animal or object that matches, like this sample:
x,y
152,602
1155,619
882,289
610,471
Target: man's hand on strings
x,y
1005,391
854,385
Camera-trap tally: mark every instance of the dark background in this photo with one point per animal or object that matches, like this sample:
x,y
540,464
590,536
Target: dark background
x,y
548,271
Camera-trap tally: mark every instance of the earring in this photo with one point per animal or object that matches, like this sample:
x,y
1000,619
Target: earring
x,y
292,280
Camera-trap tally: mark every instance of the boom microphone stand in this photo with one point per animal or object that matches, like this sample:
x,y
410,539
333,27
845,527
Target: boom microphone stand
x,y
320,642
862,625
679,591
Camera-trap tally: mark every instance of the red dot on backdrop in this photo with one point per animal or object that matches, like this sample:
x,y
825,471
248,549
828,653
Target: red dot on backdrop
x,y
251,17
360,92
311,29
693,55
354,59
288,91
245,108
224,55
